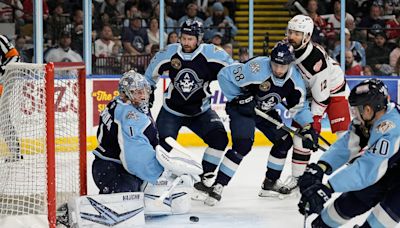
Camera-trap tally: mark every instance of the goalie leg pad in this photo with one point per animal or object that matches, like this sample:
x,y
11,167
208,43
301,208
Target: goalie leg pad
x,y
116,210
178,202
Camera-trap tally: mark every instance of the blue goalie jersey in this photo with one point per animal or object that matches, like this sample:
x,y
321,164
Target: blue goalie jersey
x,y
128,136
188,94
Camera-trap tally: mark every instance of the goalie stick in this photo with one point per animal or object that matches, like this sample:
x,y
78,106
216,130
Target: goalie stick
x,y
283,126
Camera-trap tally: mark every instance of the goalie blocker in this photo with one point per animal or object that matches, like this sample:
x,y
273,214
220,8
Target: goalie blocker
x,y
170,195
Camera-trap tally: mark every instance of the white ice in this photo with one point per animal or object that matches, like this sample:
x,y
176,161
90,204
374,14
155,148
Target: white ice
x,y
240,205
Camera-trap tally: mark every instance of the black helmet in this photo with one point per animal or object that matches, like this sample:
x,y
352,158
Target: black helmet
x,y
193,28
282,53
371,92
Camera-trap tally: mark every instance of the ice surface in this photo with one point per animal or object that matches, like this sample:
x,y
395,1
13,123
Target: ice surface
x,y
240,205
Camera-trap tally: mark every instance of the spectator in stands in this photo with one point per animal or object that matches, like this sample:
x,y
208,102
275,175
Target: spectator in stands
x,y
24,53
218,22
191,13
228,47
354,46
334,19
395,54
352,66
153,33
76,30
113,8
103,47
134,38
8,13
28,11
243,54
63,53
319,22
396,69
368,71
216,39
393,27
378,55
172,38
56,23
130,11
169,23
372,21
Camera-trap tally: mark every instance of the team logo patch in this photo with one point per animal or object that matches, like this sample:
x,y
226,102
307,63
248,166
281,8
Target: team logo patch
x,y
187,83
317,66
176,63
385,126
132,115
265,86
268,101
254,67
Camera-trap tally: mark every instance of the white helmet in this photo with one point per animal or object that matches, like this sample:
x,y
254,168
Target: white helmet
x,y
302,23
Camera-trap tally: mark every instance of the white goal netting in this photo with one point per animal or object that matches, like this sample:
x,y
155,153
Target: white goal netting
x,y
24,134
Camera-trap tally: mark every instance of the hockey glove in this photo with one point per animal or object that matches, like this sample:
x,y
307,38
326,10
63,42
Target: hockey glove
x,y
312,138
317,123
151,98
245,104
313,198
312,175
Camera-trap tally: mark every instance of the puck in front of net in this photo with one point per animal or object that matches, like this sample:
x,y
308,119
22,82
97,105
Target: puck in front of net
x,y
194,218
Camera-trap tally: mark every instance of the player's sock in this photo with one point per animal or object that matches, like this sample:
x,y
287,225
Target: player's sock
x,y
215,195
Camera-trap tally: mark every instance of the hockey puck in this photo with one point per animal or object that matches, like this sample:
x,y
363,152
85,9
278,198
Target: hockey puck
x,y
194,218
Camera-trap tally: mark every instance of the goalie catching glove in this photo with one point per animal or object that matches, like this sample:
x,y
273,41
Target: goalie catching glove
x,y
178,165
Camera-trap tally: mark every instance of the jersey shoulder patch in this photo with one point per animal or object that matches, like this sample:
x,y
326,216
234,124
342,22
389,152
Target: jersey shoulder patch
x,y
315,61
385,126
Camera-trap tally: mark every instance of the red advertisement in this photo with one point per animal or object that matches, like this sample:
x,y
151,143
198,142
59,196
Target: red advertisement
x,y
103,92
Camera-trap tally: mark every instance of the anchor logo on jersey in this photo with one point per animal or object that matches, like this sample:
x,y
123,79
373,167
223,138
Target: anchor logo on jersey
x,y
268,101
187,83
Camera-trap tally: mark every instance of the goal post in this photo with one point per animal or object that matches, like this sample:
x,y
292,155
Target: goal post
x,y
42,137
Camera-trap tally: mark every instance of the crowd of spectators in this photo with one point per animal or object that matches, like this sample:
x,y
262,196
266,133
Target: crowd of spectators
x,y
120,28
372,33
123,28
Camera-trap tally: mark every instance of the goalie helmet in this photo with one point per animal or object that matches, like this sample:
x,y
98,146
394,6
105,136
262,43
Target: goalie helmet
x,y
282,53
371,92
304,24
136,88
193,28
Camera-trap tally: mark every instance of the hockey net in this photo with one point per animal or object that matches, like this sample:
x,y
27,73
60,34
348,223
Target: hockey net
x,y
42,137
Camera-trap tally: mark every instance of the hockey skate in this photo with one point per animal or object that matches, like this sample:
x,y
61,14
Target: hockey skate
x,y
203,188
291,186
215,195
270,188
62,216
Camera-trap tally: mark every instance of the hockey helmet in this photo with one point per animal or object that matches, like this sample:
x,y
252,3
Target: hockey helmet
x,y
304,24
371,92
282,53
193,28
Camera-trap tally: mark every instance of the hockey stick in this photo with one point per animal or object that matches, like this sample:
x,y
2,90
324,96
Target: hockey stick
x,y
283,126
306,209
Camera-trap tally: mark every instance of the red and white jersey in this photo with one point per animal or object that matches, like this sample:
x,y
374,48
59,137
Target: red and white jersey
x,y
323,76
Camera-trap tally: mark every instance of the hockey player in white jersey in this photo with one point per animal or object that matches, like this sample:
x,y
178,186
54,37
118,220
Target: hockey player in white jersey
x,y
373,179
326,85
262,82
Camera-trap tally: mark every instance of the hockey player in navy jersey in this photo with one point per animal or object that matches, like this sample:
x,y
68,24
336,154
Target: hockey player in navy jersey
x,y
373,179
262,82
191,66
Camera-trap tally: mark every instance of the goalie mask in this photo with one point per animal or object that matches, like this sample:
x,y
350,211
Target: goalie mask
x,y
136,88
